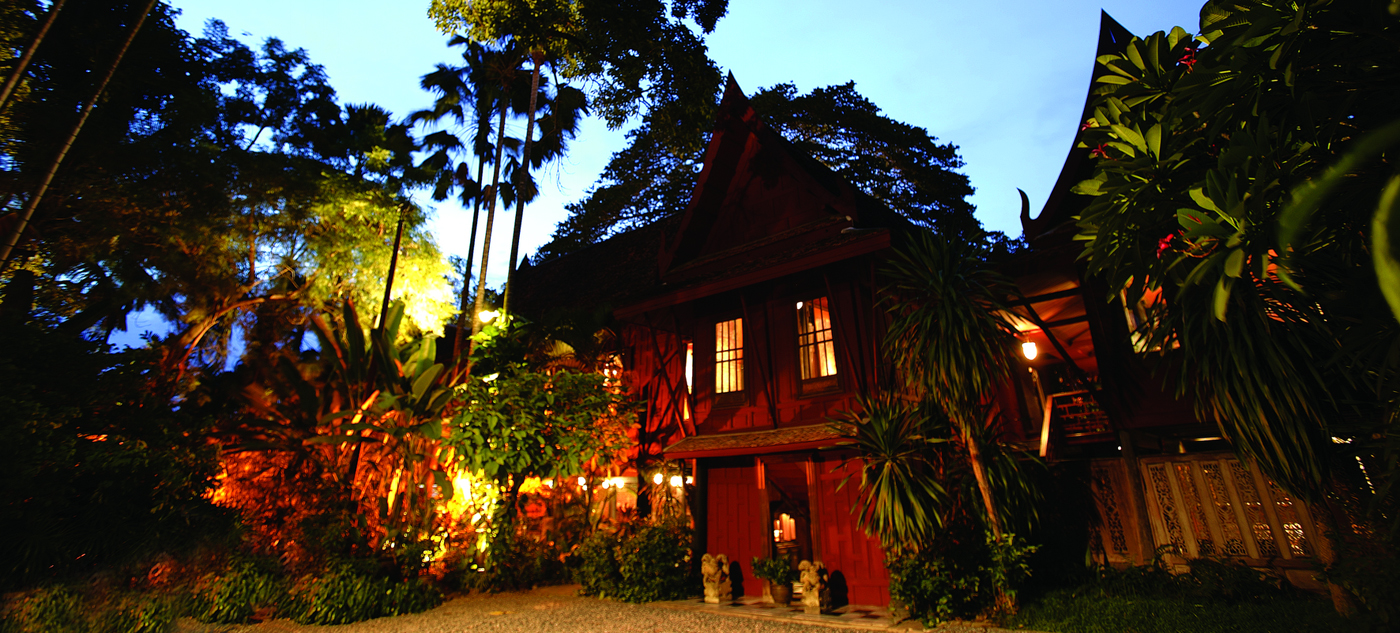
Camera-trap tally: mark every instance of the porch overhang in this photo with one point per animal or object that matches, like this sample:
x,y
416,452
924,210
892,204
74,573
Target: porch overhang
x,y
782,440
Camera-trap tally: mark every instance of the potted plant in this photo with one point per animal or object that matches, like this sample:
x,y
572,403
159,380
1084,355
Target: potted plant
x,y
780,576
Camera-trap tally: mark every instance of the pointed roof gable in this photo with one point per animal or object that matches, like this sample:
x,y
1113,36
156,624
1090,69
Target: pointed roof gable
x,y
757,195
1062,205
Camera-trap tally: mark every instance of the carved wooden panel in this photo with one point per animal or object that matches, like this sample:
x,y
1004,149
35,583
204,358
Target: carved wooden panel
x,y
1214,505
1116,536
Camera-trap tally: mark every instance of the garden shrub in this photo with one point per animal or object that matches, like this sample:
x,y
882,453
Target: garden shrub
x,y
513,562
60,609
47,610
234,593
655,564
934,586
594,565
651,563
1373,577
343,594
1219,580
958,580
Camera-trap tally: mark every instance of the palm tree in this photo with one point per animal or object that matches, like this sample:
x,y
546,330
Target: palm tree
x,y
952,337
472,94
903,500
541,30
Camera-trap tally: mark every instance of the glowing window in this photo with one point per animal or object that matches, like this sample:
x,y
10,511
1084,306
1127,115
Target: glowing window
x,y
815,349
729,356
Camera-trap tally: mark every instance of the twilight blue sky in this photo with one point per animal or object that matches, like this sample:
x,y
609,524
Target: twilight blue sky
x,y
1003,79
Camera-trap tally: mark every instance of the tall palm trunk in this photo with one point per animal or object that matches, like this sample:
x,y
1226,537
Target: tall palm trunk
x,y
471,253
13,238
15,76
537,57
393,267
979,471
490,220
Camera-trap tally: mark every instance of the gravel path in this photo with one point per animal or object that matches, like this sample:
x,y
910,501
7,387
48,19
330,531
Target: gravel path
x,y
544,610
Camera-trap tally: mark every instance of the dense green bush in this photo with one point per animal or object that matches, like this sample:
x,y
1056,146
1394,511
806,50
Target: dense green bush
x,y
958,579
98,468
1206,579
47,610
594,565
512,562
343,594
934,586
59,609
234,593
655,564
1079,611
650,563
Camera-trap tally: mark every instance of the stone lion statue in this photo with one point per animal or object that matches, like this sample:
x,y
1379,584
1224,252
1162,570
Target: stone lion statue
x,y
714,570
816,597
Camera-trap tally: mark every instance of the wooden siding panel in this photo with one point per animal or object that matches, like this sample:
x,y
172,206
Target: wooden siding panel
x,y
846,549
735,519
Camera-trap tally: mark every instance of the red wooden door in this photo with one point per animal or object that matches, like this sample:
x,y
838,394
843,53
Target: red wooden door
x,y
735,519
850,556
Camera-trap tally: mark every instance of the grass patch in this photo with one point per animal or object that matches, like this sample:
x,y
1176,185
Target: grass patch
x,y
1081,611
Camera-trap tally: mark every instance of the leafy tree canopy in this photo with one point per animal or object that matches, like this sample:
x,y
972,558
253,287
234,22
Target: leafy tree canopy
x,y
220,185
899,164
1201,144
639,56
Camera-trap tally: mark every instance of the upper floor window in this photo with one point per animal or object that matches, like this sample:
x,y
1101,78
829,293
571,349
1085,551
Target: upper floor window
x,y
729,356
816,351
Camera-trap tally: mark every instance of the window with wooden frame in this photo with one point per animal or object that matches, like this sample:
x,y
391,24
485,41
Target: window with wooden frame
x,y
729,362
816,349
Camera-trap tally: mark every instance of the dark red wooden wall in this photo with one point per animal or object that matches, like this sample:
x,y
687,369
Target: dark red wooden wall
x,y
736,520
845,548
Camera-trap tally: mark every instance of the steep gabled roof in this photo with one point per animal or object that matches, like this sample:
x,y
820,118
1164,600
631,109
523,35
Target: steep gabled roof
x,y
757,195
761,209
1054,225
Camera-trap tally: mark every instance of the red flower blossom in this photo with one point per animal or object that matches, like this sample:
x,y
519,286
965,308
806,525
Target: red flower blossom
x,y
1100,152
1088,123
1165,244
1189,59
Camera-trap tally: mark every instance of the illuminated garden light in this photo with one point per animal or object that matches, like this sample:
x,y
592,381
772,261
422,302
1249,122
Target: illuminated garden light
x,y
675,481
657,478
487,316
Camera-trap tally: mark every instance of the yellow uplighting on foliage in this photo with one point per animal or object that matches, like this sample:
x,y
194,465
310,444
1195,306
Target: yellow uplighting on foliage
x,y
531,485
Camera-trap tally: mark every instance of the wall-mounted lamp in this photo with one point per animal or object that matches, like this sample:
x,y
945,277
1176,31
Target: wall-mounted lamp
x,y
1028,349
658,478
675,481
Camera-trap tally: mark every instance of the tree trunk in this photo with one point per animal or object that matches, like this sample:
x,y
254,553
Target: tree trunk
x,y
471,253
490,219
393,266
1005,603
13,238
979,470
15,76
537,56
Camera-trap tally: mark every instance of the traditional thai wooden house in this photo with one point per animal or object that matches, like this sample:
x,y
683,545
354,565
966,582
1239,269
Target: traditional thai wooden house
x,y
749,319
745,322
1160,478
